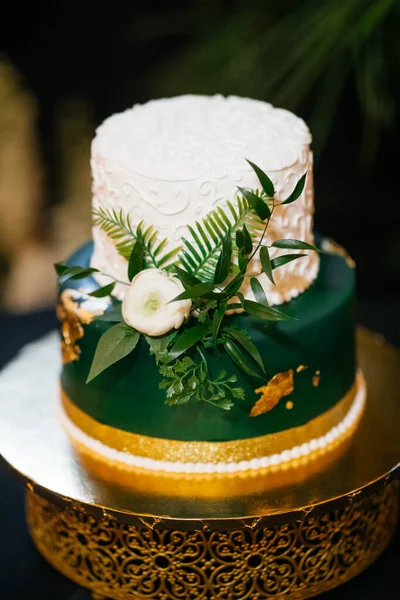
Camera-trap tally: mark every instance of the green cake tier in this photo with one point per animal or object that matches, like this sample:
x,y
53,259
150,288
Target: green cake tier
x,y
127,395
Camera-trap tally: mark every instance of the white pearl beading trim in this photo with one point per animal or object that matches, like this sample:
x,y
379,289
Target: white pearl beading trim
x,y
335,435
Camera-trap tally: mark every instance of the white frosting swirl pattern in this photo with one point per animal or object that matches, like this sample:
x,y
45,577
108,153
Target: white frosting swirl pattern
x,y
169,162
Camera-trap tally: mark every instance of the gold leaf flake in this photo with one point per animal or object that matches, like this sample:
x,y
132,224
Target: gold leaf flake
x,y
289,405
301,368
316,378
279,386
71,317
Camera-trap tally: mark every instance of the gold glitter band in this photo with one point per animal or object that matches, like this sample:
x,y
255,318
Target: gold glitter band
x,y
208,452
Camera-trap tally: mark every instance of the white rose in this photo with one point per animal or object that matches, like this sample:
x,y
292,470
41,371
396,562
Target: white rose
x,y
145,306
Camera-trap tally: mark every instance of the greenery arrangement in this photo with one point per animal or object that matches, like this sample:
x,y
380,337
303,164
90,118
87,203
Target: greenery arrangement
x,y
210,270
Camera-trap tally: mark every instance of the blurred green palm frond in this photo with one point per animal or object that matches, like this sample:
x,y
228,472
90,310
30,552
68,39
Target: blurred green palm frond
x,y
296,54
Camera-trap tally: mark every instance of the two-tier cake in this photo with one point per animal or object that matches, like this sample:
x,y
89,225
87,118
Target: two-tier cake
x,y
205,330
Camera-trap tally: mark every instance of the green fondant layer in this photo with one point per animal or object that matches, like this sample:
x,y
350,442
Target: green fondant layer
x,y
127,395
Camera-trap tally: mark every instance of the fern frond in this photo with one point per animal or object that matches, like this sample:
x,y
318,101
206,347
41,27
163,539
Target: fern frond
x,y
119,228
199,255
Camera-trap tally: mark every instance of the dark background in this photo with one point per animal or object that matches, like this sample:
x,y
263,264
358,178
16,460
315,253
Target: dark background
x,y
65,66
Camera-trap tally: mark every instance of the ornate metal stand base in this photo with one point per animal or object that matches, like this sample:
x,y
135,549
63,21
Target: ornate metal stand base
x,y
291,560
293,538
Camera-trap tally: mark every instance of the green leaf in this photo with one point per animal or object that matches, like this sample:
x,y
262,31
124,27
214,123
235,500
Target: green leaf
x,y
265,181
112,314
242,260
233,305
239,239
266,263
267,313
201,289
241,298
187,279
217,320
290,244
297,190
60,268
247,344
258,205
186,340
136,260
160,344
103,291
224,261
283,260
66,273
258,291
114,344
248,244
234,284
240,358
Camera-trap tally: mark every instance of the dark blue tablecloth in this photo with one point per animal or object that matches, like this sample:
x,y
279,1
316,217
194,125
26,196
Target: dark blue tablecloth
x,y
24,574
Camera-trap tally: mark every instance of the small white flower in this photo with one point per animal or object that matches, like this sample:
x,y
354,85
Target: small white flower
x,y
145,306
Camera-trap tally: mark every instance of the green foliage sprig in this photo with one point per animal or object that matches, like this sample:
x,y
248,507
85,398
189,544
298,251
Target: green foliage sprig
x,y
186,379
212,268
118,227
210,300
199,256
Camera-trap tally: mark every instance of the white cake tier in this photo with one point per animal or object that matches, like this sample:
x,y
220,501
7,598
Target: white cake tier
x,y
171,161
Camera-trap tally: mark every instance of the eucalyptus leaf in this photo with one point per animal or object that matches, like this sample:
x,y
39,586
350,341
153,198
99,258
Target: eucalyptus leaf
x,y
233,305
241,359
265,181
188,280
266,263
217,296
185,341
258,205
247,344
284,259
258,291
198,290
114,344
267,313
234,284
66,273
290,244
61,268
241,298
297,190
136,260
242,260
223,265
239,239
103,291
217,320
248,244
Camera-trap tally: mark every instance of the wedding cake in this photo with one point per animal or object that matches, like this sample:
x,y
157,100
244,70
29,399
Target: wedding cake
x,y
206,330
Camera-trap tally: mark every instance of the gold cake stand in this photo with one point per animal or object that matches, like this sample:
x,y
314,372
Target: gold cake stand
x,y
293,540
